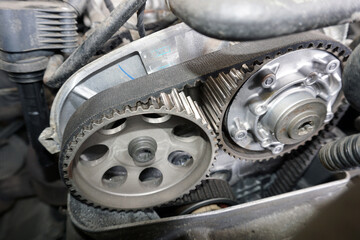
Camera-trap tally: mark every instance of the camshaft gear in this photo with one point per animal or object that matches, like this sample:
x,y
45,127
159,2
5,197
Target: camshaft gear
x,y
273,106
100,121
142,156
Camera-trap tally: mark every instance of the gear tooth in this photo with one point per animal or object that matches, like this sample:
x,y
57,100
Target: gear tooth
x,y
218,92
154,102
166,101
194,109
211,104
185,103
174,103
218,96
176,100
223,85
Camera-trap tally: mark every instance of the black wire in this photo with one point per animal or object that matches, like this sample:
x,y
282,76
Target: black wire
x,y
140,21
156,26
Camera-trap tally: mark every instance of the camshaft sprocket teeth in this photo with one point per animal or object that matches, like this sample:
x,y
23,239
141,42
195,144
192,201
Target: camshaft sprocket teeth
x,y
218,92
140,156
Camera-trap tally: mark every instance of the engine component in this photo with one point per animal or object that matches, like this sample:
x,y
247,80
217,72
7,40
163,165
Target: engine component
x,y
30,32
216,190
155,52
351,79
94,42
296,163
258,218
237,20
342,154
211,188
283,102
36,25
93,114
207,206
163,148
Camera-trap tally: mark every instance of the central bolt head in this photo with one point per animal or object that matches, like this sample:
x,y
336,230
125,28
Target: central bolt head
x,y
305,129
142,149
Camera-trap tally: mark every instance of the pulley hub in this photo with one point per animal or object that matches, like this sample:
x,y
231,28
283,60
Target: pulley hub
x,y
286,102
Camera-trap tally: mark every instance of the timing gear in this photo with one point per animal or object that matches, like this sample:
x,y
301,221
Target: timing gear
x,y
141,156
274,105
224,73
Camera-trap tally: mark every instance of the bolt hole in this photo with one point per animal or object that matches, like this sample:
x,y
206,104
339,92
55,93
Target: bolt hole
x,y
180,158
93,153
151,177
156,118
185,131
114,176
114,127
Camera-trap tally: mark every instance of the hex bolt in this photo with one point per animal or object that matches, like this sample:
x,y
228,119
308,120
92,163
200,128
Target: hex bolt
x,y
305,129
332,66
239,132
277,149
269,80
260,109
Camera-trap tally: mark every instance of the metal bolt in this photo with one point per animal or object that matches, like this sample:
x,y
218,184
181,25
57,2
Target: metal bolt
x,y
260,109
305,129
277,149
269,80
332,66
239,132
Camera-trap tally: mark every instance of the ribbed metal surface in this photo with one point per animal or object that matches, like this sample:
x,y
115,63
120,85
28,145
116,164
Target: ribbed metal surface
x,y
57,28
342,154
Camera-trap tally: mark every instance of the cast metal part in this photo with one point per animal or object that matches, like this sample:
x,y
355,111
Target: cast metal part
x,y
285,102
235,60
151,54
36,25
145,156
273,107
295,164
